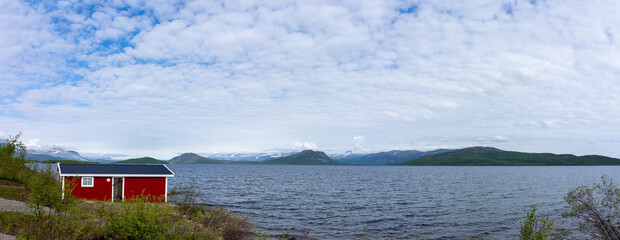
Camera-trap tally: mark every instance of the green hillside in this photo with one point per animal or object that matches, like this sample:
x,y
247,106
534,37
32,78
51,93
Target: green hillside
x,y
192,158
143,160
306,157
487,156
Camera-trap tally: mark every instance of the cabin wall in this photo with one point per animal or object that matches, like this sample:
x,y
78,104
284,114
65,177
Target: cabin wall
x,y
101,189
154,187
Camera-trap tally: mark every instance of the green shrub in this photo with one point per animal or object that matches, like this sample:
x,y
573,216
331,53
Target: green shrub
x,y
139,219
217,221
598,208
535,228
185,197
73,225
226,223
258,234
12,222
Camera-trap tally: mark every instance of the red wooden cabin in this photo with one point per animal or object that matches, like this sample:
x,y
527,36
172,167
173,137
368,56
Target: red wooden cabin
x,y
114,182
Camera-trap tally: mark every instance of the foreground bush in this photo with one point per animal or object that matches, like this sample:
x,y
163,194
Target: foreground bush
x,y
138,219
222,222
535,228
185,196
597,208
226,223
69,225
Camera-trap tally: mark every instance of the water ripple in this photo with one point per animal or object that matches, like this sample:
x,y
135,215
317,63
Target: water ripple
x,y
387,202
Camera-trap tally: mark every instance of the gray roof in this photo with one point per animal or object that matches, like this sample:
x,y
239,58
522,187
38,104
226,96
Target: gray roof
x,y
66,169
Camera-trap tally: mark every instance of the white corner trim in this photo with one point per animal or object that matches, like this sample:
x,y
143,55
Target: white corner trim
x,y
112,186
166,192
63,187
123,190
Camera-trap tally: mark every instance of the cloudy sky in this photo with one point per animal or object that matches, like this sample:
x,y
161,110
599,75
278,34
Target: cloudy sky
x,y
160,78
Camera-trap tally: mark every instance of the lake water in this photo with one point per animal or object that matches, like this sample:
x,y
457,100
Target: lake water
x,y
388,202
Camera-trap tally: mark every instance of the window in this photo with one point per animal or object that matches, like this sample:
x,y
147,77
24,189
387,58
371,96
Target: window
x,y
87,182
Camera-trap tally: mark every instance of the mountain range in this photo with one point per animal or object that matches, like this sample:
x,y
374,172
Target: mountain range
x,y
53,153
251,157
473,156
391,157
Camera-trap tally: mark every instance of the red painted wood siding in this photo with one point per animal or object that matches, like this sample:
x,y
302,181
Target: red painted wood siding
x,y
153,186
101,189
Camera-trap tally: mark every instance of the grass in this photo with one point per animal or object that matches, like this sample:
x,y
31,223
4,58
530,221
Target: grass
x,y
13,193
68,225
13,190
12,222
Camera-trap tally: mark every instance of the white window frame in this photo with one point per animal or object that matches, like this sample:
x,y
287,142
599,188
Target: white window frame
x,y
92,182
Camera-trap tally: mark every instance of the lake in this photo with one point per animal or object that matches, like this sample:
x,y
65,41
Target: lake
x,y
388,202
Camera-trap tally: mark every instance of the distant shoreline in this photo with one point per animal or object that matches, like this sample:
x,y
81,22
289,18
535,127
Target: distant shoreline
x,y
474,156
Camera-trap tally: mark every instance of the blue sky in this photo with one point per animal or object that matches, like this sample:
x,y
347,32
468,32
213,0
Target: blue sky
x,y
160,78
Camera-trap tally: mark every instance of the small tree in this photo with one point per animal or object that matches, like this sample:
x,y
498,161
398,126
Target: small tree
x,y
598,208
535,228
186,198
12,160
45,191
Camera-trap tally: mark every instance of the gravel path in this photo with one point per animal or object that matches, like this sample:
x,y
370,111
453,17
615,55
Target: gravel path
x,y
7,237
12,205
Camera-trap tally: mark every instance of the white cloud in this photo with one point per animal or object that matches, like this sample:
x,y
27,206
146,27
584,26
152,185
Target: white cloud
x,y
359,140
32,143
500,139
204,76
31,52
298,146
